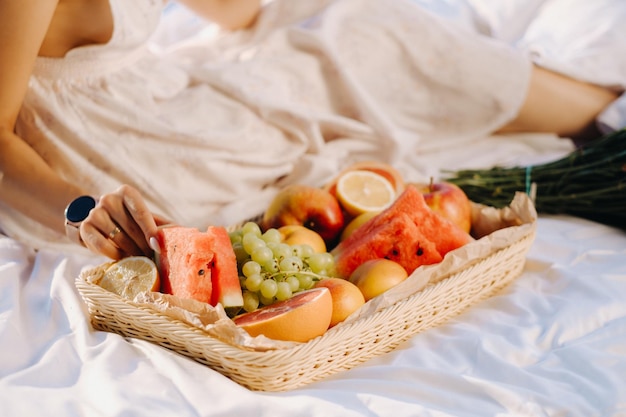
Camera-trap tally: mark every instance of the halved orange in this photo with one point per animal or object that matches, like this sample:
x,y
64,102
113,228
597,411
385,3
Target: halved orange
x,y
131,276
364,191
386,170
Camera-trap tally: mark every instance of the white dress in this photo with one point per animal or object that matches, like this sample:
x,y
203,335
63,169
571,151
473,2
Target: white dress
x,y
210,128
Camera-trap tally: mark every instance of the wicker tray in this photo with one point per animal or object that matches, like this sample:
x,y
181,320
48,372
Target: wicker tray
x,y
340,348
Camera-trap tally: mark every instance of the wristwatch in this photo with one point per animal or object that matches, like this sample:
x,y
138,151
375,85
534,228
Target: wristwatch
x,y
75,213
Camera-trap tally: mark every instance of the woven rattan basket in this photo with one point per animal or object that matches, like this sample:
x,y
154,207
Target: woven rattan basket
x,y
340,348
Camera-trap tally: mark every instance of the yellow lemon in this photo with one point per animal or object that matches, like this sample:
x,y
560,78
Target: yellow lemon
x,y
131,276
364,191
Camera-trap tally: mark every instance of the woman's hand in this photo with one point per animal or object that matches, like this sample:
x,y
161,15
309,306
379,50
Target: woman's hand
x,y
121,225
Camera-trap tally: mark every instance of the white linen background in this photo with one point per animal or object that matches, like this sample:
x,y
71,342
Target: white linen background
x,y
569,36
553,343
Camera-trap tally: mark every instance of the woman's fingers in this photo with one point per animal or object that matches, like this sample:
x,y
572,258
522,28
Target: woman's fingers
x,y
126,242
112,214
139,211
97,242
120,225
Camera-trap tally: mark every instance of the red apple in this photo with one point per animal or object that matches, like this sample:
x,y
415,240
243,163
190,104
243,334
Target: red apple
x,y
311,207
449,200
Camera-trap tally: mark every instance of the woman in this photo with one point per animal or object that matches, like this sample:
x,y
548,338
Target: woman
x,y
87,109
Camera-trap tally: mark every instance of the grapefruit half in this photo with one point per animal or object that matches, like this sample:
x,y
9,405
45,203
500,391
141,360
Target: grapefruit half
x,y
301,318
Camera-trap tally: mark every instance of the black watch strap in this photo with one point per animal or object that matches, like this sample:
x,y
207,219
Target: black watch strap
x,y
75,213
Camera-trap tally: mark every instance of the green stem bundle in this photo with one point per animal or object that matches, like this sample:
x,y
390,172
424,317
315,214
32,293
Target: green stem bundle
x,y
590,182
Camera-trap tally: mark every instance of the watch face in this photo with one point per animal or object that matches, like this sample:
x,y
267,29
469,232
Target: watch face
x,y
79,209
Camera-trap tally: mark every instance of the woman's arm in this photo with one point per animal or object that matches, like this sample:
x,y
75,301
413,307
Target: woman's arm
x,y
230,14
27,183
27,180
558,104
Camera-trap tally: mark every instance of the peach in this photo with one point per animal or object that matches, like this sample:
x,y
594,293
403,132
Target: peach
x,y
299,235
347,298
376,276
355,223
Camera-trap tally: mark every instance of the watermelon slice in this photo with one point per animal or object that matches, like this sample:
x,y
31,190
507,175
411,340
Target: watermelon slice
x,y
408,232
224,274
199,265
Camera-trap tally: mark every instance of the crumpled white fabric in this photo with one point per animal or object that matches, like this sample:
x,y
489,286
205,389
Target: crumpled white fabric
x,y
204,130
550,344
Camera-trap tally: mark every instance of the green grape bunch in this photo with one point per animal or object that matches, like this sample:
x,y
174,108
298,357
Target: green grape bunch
x,y
271,270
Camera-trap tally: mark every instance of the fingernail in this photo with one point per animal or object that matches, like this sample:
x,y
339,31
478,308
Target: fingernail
x,y
154,244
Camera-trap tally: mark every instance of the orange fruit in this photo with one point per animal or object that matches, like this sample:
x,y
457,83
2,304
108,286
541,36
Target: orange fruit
x,y
362,191
301,318
347,298
381,168
131,276
376,276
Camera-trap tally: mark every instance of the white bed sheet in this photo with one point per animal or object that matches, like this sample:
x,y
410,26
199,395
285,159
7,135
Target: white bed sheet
x,y
553,343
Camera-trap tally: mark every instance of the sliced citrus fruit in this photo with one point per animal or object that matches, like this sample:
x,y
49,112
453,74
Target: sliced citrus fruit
x,y
301,318
362,191
386,170
131,276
